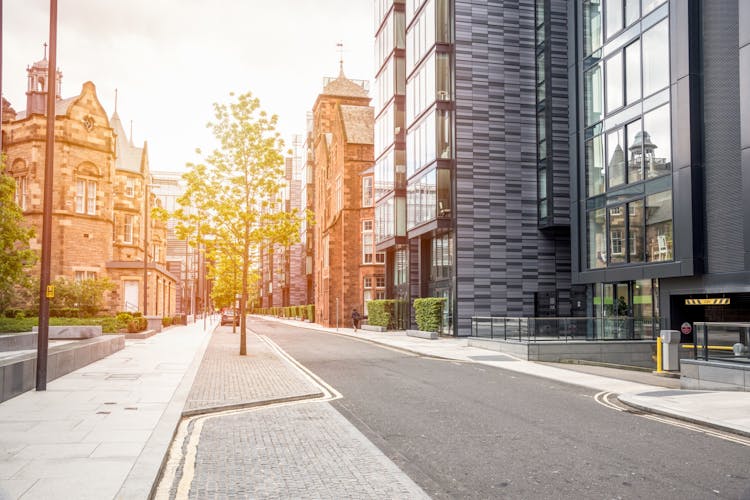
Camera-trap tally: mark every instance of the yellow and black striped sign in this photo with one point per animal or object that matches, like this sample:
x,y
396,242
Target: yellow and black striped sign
x,y
716,301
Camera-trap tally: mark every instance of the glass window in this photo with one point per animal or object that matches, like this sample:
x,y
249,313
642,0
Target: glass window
x,y
614,79
367,196
659,241
384,220
127,235
442,258
656,58
635,150
649,5
633,72
421,143
543,205
616,236
592,90
616,157
80,195
421,199
595,170
541,135
380,281
400,268
597,240
632,11
91,197
368,282
613,13
635,231
444,192
444,134
384,175
657,145
21,193
443,77
592,26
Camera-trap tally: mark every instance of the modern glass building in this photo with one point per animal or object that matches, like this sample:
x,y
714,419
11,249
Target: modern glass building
x,y
457,213
659,215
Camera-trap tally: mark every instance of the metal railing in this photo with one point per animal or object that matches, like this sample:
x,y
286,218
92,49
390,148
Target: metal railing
x,y
565,329
718,341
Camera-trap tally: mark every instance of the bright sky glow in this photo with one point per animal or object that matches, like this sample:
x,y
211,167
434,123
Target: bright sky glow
x,y
171,59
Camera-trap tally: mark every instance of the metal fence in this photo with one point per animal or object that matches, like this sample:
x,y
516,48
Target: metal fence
x,y
722,341
565,329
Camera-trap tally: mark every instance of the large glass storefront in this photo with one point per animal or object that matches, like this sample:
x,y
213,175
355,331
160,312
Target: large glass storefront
x,y
628,310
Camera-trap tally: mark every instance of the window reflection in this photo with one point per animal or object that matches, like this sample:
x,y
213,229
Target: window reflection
x,y
635,231
616,157
659,240
617,235
421,199
656,58
597,247
633,72
592,95
444,192
442,258
592,26
635,148
595,170
613,13
613,68
657,142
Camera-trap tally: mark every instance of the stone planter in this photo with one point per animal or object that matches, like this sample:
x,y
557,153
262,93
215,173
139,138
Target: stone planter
x,y
421,334
76,332
374,328
154,323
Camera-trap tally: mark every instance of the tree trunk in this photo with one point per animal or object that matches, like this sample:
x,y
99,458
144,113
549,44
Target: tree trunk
x,y
243,303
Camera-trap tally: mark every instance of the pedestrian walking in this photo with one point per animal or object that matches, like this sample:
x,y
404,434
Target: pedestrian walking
x,y
355,318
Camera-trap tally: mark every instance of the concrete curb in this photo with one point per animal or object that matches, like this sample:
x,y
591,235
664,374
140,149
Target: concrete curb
x,y
627,400
249,404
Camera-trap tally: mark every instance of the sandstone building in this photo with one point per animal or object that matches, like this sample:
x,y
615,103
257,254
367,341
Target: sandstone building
x,y
100,222
348,272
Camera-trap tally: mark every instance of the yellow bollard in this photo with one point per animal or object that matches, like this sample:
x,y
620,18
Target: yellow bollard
x,y
659,363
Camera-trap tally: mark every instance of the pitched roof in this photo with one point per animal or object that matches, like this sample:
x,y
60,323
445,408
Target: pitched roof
x,y
61,107
128,156
343,87
359,124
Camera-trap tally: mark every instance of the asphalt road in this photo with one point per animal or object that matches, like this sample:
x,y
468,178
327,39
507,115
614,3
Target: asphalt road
x,y
463,430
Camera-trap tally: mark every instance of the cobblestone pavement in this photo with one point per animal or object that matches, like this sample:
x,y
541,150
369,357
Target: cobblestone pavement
x,y
226,379
305,450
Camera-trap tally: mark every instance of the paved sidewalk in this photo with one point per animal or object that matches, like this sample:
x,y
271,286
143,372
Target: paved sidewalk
x,y
102,431
726,410
227,380
282,438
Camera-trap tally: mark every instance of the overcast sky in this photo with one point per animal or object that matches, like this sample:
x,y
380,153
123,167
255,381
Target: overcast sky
x,y
171,59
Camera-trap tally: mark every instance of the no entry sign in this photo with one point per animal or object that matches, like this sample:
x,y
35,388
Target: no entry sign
x,y
686,328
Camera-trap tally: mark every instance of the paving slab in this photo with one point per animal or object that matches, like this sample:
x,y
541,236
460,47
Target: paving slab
x,y
85,435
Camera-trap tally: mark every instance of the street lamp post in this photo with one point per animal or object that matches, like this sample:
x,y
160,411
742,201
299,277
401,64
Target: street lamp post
x,y
145,246
45,291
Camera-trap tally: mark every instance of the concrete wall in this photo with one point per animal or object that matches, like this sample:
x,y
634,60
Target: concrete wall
x,y
630,353
18,375
714,375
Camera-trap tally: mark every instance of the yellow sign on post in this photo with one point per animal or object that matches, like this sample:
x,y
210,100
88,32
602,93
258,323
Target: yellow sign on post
x,y
50,291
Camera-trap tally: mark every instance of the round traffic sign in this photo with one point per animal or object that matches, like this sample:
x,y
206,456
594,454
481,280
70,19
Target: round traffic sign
x,y
686,328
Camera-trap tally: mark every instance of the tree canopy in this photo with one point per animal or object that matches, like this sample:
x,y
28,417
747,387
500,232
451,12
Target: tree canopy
x,y
232,201
15,253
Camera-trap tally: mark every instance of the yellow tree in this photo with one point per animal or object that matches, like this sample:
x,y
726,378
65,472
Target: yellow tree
x,y
234,191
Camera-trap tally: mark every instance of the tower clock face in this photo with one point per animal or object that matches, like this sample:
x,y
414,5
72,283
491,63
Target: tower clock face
x,y
88,123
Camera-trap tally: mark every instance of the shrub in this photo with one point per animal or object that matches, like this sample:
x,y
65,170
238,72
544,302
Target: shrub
x,y
428,313
381,313
166,321
310,313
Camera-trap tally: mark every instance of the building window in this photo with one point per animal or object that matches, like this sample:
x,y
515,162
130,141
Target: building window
x,y
367,194
127,236
85,197
595,166
592,95
368,282
592,26
400,268
656,58
597,241
85,275
657,150
380,281
422,199
326,247
380,258
442,258
21,194
129,188
367,242
659,227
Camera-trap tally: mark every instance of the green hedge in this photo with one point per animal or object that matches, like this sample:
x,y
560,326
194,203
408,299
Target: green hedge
x,y
428,313
382,313
21,325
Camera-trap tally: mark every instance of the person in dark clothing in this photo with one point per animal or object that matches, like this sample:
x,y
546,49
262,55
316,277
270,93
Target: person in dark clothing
x,y
355,318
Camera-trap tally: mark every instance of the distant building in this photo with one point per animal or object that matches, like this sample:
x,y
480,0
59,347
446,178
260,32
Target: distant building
x,y
101,189
348,272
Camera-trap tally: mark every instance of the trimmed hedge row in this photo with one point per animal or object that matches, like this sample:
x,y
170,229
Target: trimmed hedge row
x,y
305,312
428,313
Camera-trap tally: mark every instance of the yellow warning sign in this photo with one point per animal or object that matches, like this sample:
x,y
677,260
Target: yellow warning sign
x,y
50,291
717,301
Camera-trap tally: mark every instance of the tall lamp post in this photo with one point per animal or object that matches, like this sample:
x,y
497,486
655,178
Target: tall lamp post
x,y
145,245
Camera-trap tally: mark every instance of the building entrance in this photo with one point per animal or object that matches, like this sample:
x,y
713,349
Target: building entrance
x,y
715,308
